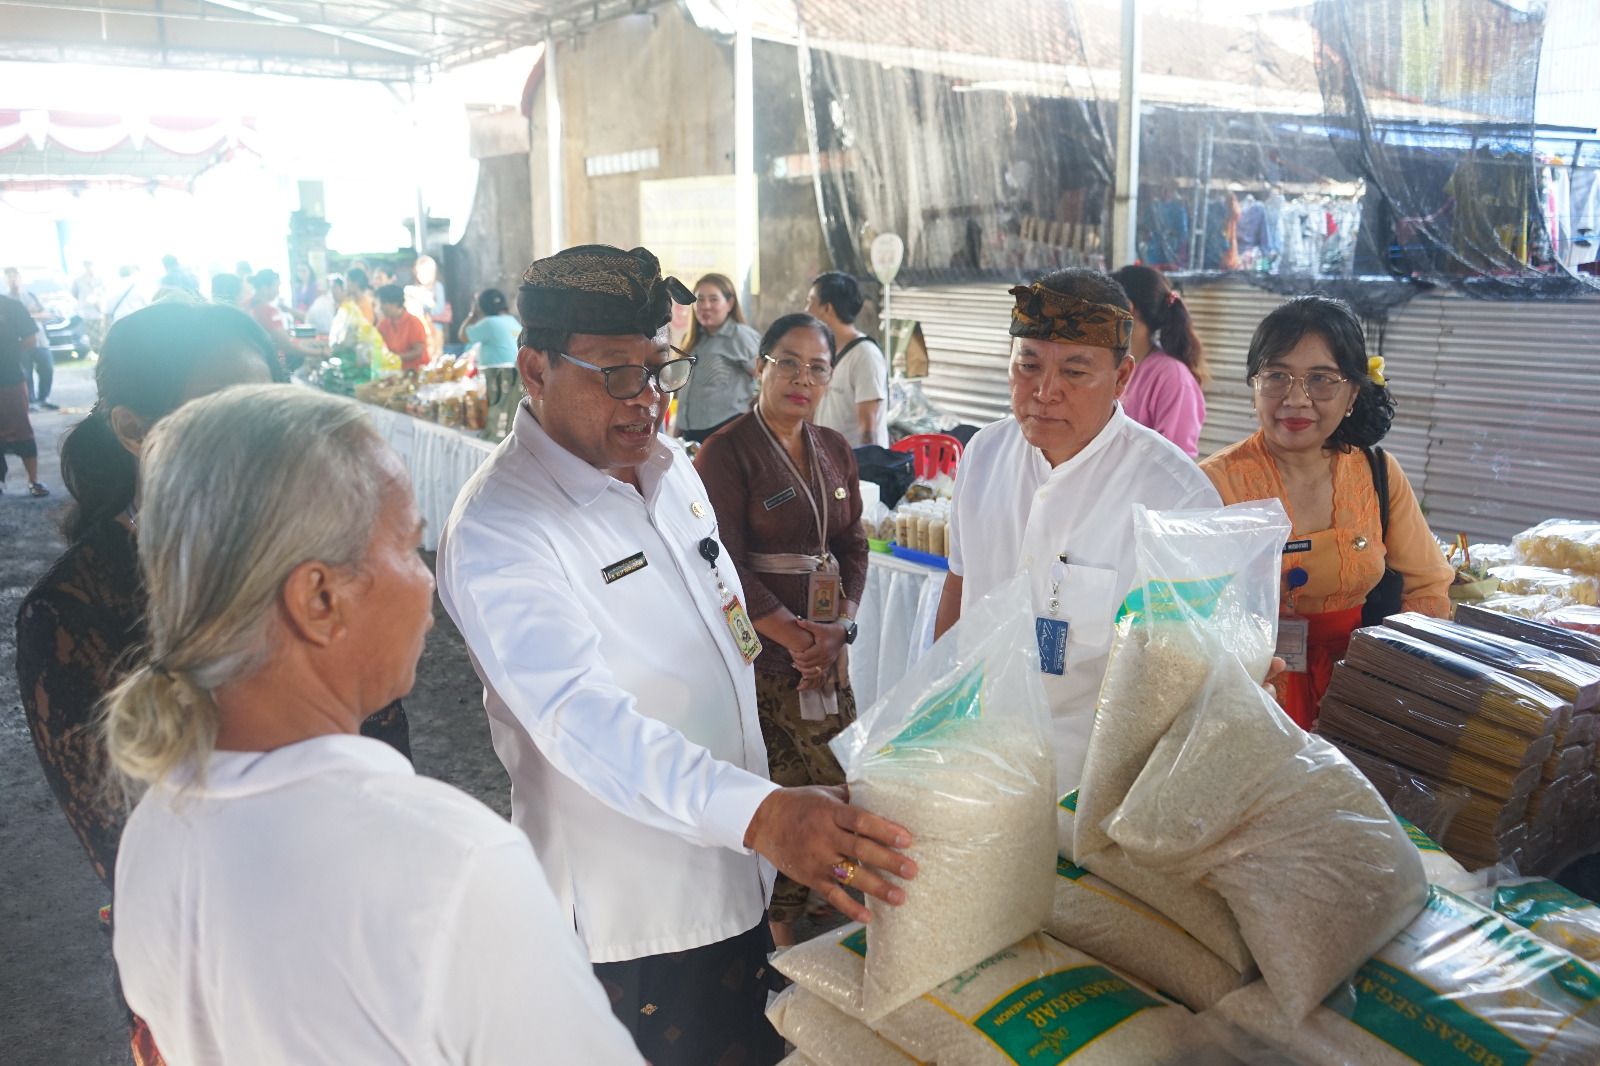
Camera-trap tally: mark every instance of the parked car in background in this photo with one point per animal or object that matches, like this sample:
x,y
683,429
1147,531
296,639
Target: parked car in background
x,y
69,337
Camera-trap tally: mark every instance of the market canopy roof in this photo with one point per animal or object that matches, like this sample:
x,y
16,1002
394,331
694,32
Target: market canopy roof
x,y
386,40
62,147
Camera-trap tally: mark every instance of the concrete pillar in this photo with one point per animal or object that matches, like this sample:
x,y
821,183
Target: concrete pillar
x,y
1125,205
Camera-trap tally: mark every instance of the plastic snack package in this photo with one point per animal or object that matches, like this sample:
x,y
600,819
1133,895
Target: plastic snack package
x,y
1281,825
1577,619
1101,920
1567,587
1561,544
1460,984
959,753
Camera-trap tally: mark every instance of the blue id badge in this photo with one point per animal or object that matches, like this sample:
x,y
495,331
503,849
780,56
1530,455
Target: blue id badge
x,y
1052,634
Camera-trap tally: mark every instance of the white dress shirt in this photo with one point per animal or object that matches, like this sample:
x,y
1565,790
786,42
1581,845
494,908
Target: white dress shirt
x,y
1012,512
321,903
621,707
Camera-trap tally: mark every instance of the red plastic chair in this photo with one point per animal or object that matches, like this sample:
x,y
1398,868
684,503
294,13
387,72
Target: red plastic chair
x,y
933,453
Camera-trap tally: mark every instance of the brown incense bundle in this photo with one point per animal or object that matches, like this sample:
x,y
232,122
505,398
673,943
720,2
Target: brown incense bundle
x,y
1582,646
1453,728
1481,832
1343,722
1574,681
1457,681
1583,729
1567,762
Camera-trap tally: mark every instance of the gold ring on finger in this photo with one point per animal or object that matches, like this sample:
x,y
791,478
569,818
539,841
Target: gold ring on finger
x,y
845,870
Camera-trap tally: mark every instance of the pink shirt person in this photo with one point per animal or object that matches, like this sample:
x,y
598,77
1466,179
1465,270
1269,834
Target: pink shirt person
x,y
1164,395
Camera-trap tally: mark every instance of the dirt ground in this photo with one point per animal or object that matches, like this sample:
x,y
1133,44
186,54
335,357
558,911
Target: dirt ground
x,y
56,1005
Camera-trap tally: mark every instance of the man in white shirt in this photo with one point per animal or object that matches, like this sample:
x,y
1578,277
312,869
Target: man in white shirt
x,y
582,565
326,305
90,293
1050,491
857,401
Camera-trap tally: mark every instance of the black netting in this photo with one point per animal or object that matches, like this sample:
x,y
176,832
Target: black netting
x,y
973,131
1373,148
1434,105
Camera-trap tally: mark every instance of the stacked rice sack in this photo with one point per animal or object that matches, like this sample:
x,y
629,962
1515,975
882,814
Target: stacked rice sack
x,y
960,975
1459,984
1037,1001
1203,801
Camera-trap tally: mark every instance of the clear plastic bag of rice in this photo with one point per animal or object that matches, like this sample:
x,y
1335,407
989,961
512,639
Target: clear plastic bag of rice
x,y
1198,911
1037,1002
958,752
1207,585
1302,848
1459,985
826,1036
1100,919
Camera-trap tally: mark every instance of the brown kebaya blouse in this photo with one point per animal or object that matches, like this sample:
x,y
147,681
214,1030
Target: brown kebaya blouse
x,y
761,508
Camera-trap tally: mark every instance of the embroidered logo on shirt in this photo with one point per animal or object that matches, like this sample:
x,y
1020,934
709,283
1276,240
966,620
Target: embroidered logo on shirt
x,y
780,499
623,567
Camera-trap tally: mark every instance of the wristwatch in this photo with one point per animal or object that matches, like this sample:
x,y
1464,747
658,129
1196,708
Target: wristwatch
x,y
850,630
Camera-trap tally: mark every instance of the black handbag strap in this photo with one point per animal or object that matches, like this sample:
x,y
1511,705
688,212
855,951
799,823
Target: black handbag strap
x,y
1380,482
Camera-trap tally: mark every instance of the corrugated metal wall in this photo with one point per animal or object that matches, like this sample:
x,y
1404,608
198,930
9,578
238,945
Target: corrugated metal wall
x,y
965,327
1516,426
1498,423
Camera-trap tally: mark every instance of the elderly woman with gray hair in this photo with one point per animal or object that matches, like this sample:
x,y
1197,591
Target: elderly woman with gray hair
x,y
256,913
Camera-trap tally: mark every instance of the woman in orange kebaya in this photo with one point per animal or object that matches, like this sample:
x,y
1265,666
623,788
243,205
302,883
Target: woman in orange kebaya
x,y
1323,407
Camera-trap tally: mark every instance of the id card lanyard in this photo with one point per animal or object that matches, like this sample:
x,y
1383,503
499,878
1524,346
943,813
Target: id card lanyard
x,y
733,612
822,584
1293,630
1052,631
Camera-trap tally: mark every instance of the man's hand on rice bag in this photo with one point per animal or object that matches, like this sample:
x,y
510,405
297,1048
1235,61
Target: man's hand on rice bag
x,y
1274,671
816,837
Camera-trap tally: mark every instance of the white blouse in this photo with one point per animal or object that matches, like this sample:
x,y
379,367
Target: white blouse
x,y
321,903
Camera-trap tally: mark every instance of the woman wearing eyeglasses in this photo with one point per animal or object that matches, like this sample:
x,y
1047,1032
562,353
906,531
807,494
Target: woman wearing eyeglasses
x,y
788,506
1323,407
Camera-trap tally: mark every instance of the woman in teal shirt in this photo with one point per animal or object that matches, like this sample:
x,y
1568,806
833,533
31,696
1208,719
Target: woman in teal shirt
x,y
494,329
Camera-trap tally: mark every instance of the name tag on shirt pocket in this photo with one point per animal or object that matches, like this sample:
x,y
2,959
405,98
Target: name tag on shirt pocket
x,y
623,567
780,499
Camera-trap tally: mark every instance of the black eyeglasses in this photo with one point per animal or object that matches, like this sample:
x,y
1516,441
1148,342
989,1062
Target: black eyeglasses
x,y
629,380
